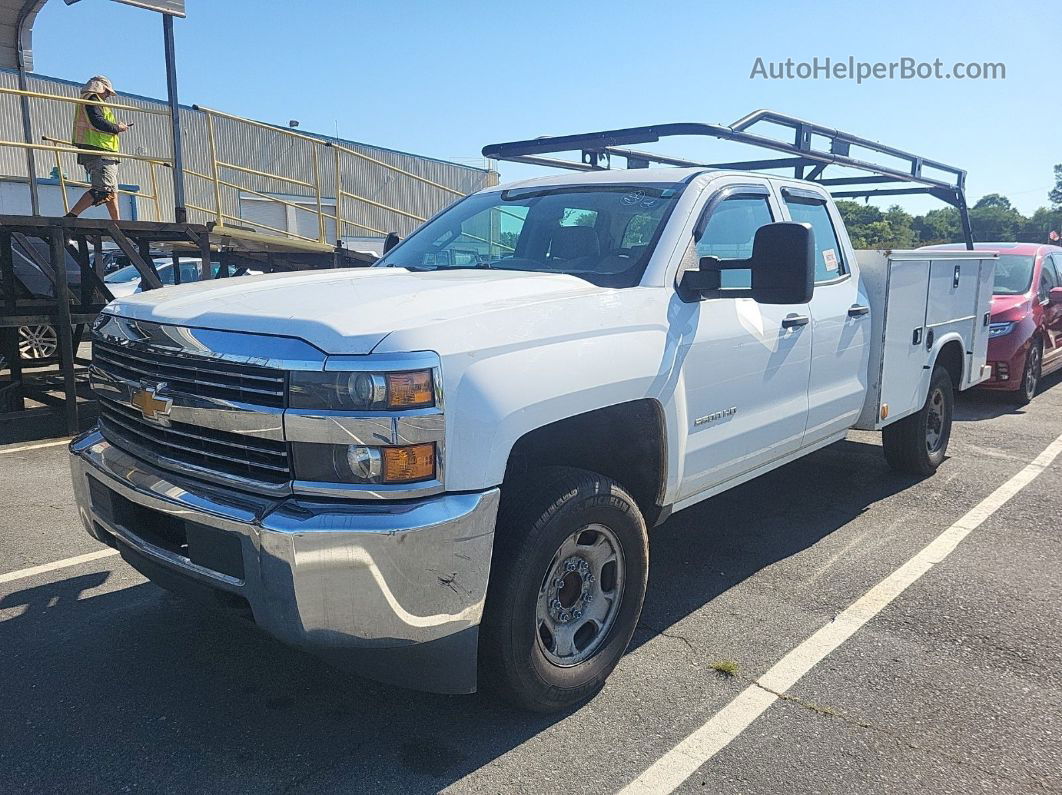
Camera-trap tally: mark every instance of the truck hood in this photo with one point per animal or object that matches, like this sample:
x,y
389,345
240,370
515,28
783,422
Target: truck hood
x,y
347,311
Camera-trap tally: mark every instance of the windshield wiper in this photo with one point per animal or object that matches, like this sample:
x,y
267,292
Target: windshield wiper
x,y
417,268
486,266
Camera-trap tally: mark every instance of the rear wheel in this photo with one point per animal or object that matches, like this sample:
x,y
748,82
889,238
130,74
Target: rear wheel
x,y
1030,375
917,444
566,588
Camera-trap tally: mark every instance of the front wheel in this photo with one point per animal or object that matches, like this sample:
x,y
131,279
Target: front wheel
x,y
917,444
570,566
1030,375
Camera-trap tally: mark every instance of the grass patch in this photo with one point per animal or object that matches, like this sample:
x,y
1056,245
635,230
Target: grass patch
x,y
727,668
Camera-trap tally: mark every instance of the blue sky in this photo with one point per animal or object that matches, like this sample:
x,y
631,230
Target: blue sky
x,y
444,78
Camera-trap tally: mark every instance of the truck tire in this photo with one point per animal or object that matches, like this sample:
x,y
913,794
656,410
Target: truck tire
x,y
1030,375
917,443
571,560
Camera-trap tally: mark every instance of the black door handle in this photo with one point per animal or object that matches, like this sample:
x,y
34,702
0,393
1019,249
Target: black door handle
x,y
792,321
858,310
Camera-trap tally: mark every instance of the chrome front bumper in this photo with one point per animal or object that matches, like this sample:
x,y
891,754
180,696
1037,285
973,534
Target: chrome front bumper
x,y
394,591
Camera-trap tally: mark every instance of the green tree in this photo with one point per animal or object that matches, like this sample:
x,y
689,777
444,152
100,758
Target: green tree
x,y
994,200
1056,193
901,230
869,227
938,226
994,219
1038,227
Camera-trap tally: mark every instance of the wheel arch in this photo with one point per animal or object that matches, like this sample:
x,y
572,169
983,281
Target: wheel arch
x,y
951,355
626,442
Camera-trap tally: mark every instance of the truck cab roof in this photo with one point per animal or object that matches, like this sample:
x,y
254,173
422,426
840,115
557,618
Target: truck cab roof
x,y
625,176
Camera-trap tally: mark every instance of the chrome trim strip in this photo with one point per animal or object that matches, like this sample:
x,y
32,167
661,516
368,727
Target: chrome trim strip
x,y
337,427
132,426
109,353
264,422
361,491
212,475
380,362
280,353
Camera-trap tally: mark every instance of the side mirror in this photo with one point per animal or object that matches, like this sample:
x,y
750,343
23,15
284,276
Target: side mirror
x,y
1055,296
391,241
782,266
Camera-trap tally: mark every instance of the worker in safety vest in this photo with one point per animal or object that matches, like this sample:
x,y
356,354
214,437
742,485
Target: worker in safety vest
x,y
96,128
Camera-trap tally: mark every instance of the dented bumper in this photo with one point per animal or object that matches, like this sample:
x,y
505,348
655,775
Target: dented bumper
x,y
392,590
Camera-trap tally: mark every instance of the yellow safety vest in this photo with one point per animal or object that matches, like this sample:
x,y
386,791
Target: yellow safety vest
x,y
85,135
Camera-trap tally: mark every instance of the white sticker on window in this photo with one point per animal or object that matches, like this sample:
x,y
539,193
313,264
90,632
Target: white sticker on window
x,y
829,256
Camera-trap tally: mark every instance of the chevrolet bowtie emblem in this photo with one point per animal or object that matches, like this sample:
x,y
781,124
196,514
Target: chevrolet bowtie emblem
x,y
150,404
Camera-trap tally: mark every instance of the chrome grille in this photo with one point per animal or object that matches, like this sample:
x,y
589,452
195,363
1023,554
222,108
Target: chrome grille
x,y
193,449
210,378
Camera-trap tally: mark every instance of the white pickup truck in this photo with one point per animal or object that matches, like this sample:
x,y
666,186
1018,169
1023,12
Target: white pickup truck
x,y
442,470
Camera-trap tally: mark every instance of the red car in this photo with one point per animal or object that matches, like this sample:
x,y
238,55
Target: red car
x,y
1025,341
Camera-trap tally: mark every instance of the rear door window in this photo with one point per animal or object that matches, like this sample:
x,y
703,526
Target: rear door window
x,y
829,259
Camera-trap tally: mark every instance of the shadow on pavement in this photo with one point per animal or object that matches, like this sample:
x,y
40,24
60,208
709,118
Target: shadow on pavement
x,y
711,547
43,427
137,688
984,404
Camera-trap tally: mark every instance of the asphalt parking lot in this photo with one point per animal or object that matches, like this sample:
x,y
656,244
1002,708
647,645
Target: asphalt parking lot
x,y
111,684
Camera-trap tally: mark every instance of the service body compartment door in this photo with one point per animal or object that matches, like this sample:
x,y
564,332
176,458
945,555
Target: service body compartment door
x,y
920,300
904,353
978,355
954,285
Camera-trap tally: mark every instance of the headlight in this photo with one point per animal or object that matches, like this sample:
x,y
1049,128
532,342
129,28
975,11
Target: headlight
x,y
362,391
999,329
363,464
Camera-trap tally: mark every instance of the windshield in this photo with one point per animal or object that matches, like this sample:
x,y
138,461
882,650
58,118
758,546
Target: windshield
x,y
189,273
601,233
1013,275
122,275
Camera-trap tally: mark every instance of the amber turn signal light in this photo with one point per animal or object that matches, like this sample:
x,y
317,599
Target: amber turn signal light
x,y
409,463
411,390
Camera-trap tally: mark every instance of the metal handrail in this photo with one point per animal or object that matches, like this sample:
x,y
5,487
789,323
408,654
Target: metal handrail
x,y
78,184
80,101
316,200
321,142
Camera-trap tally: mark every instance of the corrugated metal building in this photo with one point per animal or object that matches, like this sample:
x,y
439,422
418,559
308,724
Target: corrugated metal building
x,y
381,190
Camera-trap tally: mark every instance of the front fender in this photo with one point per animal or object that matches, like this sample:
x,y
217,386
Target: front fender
x,y
494,401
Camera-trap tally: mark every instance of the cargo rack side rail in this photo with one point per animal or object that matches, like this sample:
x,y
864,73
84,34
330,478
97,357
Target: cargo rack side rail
x,y
808,163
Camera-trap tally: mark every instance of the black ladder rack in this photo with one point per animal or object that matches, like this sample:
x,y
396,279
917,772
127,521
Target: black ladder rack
x,y
808,163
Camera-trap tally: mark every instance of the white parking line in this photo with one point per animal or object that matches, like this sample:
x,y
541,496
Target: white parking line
x,y
688,756
56,443
44,568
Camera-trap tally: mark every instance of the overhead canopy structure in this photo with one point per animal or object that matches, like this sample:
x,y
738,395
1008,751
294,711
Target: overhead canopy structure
x,y
16,29
806,157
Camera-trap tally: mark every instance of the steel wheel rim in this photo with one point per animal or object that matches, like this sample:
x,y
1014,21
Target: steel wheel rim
x,y
37,342
1032,378
580,595
935,421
